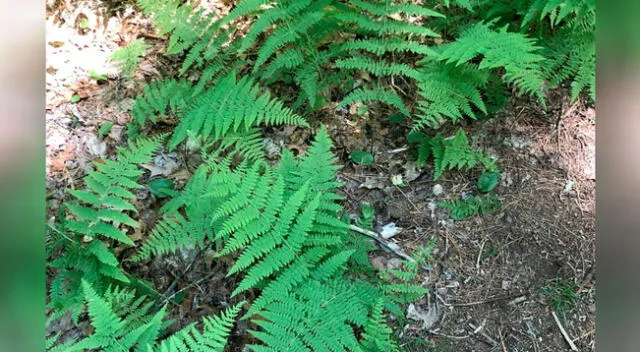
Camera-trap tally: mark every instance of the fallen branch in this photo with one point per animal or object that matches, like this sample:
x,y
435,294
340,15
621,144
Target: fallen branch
x,y
564,332
387,244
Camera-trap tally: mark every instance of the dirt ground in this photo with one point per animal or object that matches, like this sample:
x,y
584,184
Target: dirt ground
x,y
488,279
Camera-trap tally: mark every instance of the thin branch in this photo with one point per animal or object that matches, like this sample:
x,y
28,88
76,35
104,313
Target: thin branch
x,y
564,332
387,244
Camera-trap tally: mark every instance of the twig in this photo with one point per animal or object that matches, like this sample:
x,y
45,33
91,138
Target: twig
x,y
532,336
504,347
389,245
479,256
152,35
478,330
564,332
449,336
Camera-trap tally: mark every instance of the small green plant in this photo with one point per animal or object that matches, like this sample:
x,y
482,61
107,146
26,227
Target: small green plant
x,y
562,295
481,204
281,224
129,57
365,220
361,157
452,153
105,128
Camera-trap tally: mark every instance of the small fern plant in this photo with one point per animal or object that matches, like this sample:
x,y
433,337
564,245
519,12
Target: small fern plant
x,y
452,153
284,223
96,224
480,204
129,57
122,321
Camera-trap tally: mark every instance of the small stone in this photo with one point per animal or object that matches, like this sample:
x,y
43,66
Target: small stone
x,y
394,264
506,284
379,262
437,190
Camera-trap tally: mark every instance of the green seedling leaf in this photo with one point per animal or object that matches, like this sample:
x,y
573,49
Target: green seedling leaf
x,y
84,23
488,181
162,187
105,128
362,109
97,76
361,157
75,98
490,253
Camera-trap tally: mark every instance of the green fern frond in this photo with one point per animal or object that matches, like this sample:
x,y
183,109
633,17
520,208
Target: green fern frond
x,y
98,213
516,53
129,57
237,106
558,10
111,332
450,92
286,34
377,335
378,67
184,23
366,23
382,95
282,12
386,9
160,96
483,204
379,46
213,338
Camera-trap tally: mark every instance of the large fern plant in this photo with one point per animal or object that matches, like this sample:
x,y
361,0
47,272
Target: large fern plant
x,y
284,223
97,222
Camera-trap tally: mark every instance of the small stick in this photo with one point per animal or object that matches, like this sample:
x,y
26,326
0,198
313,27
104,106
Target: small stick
x,y
479,255
389,245
504,347
478,330
564,333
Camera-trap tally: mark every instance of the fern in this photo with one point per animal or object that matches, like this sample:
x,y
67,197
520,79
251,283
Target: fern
x,y
377,336
113,331
213,338
129,57
517,54
377,67
483,204
450,153
160,96
98,213
237,106
182,21
386,96
122,322
571,50
450,92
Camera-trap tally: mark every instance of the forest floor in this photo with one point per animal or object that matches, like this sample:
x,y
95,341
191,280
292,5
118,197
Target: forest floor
x,y
494,278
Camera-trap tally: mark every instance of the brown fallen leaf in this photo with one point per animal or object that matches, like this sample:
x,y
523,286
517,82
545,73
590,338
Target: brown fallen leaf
x,y
58,162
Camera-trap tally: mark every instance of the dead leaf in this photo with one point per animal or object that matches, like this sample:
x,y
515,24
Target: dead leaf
x,y
373,183
58,162
56,43
163,164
